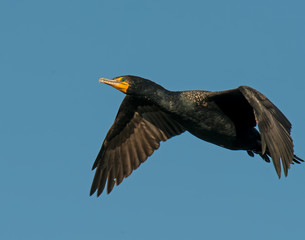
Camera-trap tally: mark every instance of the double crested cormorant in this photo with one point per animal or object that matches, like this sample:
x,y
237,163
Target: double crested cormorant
x,y
150,114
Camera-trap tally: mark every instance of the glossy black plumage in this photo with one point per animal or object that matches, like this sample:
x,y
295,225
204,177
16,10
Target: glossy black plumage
x,y
150,114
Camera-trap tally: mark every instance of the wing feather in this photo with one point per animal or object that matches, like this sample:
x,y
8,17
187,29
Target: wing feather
x,y
274,128
247,107
137,131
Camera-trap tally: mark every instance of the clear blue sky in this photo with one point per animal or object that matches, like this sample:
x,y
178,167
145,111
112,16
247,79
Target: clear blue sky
x,y
55,115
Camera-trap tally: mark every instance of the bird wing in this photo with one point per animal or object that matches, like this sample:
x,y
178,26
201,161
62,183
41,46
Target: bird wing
x,y
248,107
274,128
137,131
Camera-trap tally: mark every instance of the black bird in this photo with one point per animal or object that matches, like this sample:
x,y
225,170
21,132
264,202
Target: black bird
x,y
150,114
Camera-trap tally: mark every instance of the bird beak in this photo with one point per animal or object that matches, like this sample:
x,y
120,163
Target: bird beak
x,y
118,83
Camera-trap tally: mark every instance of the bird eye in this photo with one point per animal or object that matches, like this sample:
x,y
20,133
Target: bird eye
x,y
121,79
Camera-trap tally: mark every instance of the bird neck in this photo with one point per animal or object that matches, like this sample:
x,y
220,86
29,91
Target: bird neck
x,y
159,96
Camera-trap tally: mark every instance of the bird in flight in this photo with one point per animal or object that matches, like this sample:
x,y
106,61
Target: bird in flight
x,y
150,114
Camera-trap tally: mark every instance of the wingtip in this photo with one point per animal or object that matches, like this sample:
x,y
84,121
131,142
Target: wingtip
x,y
279,173
94,165
92,191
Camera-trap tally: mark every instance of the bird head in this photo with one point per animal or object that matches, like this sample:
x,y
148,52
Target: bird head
x,y
131,85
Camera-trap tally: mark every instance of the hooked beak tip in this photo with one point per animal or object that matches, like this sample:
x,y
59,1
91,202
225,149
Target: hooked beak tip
x,y
101,80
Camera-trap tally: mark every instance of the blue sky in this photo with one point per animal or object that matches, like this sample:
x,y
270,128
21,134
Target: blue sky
x,y
55,115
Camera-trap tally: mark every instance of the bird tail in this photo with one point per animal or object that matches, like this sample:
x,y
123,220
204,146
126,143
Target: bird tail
x,y
266,156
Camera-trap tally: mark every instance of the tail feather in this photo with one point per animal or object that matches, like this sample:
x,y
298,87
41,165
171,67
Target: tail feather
x,y
266,156
297,160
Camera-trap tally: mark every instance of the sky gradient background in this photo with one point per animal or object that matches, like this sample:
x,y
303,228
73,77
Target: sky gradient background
x,y
55,115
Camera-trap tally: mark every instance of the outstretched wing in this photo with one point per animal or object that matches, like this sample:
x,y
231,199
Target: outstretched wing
x,y
137,131
247,107
274,128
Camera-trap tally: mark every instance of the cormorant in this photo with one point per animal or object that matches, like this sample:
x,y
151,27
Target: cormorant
x,y
150,114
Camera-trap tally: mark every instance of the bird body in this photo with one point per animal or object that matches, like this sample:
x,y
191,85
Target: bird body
x,y
202,118
198,116
150,114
